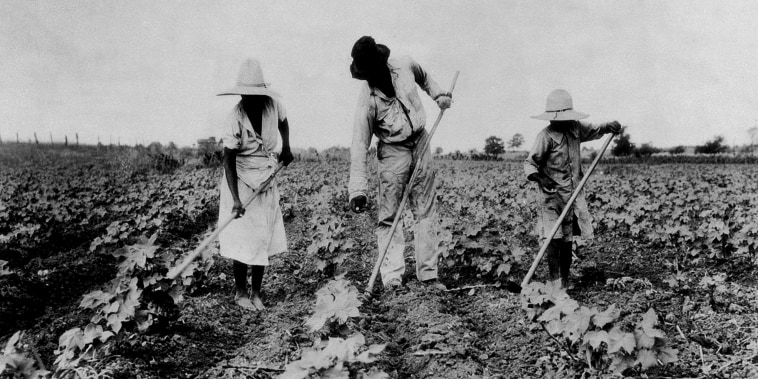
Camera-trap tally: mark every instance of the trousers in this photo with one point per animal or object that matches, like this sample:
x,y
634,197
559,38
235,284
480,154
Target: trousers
x,y
395,168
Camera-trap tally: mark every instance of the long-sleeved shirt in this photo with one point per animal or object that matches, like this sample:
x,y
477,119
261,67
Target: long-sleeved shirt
x,y
556,155
391,119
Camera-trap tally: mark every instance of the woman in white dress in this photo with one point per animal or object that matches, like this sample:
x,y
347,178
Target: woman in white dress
x,y
250,137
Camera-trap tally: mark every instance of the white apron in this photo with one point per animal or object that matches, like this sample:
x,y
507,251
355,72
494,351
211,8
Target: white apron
x,y
259,233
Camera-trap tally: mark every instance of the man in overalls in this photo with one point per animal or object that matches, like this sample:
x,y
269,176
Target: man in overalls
x,y
390,108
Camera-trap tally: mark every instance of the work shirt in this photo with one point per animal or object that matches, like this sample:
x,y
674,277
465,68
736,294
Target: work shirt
x,y
392,119
556,155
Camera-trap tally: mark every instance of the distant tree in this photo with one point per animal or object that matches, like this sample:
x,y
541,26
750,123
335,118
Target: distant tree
x,y
494,146
753,133
622,146
645,150
438,151
516,141
677,150
714,146
155,147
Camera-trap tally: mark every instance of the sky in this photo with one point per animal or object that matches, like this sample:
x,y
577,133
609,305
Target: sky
x,y
674,72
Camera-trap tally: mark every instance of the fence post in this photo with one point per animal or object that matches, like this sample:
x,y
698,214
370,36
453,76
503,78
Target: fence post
x,y
77,139
36,141
51,138
65,140
17,141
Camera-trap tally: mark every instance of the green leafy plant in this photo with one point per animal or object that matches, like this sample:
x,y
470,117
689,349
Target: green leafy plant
x,y
330,242
139,298
16,362
336,357
337,301
607,343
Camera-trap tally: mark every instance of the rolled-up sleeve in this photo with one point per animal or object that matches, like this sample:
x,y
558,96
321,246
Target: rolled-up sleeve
x,y
232,139
362,127
281,110
536,158
424,80
589,132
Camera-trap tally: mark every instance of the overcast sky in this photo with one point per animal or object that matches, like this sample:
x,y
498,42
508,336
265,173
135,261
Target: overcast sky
x,y
675,72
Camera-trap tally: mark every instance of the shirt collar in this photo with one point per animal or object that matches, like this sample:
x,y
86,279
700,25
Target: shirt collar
x,y
393,72
557,135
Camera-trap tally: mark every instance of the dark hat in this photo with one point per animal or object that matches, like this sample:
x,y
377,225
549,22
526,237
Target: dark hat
x,y
367,54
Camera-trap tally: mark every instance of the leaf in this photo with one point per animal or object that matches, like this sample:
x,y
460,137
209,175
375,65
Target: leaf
x,y
95,299
338,300
620,363
503,268
113,308
10,347
607,316
646,358
71,338
294,371
668,355
620,340
577,323
176,294
594,338
114,321
564,307
336,372
368,356
374,374
649,320
92,332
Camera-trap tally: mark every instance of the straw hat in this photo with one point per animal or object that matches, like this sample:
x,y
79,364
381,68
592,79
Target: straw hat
x,y
560,107
250,81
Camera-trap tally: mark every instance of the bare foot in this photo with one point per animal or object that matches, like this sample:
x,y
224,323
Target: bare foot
x,y
257,302
244,302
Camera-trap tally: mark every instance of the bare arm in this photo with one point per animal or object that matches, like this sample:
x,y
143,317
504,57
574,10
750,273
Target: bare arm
x,y
230,171
284,130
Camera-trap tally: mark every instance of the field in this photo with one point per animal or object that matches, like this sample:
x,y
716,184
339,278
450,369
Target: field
x,y
669,287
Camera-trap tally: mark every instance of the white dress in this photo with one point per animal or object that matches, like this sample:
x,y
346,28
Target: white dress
x,y
259,233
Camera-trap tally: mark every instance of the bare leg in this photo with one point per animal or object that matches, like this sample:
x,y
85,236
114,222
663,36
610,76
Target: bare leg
x,y
554,259
566,258
256,283
240,283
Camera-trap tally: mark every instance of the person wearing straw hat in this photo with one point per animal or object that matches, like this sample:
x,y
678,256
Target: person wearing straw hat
x,y
250,138
554,163
390,108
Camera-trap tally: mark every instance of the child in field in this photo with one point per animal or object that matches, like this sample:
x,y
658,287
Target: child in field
x,y
250,137
555,165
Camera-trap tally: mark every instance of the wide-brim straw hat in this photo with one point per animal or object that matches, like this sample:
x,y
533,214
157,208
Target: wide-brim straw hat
x,y
250,81
560,107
